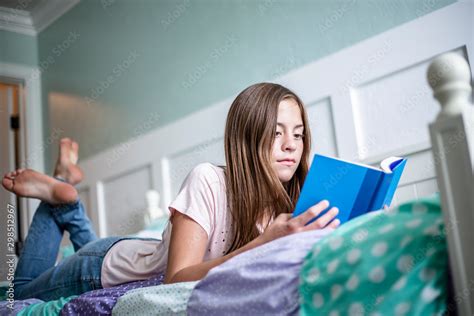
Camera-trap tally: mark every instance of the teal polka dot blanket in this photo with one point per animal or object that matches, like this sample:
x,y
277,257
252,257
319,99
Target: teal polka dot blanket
x,y
384,263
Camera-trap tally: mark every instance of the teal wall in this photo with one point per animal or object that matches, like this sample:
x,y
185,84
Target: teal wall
x,y
18,48
112,67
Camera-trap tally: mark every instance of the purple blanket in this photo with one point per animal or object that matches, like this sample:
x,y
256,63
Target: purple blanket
x,y
101,302
98,302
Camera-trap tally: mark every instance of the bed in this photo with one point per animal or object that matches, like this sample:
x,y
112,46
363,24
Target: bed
x,y
284,278
347,272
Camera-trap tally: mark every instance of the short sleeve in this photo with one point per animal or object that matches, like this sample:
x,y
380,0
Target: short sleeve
x,y
197,196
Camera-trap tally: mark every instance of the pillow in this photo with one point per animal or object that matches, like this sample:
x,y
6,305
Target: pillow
x,y
261,281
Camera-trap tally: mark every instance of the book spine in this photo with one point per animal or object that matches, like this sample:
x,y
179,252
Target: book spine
x,y
367,191
387,191
383,187
394,183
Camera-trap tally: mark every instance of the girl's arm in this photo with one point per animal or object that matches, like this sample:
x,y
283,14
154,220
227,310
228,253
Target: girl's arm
x,y
189,241
187,248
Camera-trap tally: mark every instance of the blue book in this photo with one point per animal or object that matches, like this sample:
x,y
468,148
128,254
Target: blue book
x,y
353,188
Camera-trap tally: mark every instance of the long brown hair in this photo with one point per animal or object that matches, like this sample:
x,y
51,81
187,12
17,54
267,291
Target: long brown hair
x,y
253,188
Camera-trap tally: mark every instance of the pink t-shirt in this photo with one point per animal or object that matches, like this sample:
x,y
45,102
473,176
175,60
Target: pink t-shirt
x,y
202,197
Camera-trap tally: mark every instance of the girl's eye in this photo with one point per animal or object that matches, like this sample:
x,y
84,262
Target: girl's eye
x,y
299,136
277,133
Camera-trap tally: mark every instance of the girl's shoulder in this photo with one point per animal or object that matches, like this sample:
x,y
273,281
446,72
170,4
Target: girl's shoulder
x,y
209,172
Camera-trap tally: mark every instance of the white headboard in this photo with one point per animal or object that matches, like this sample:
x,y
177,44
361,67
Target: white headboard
x,y
365,103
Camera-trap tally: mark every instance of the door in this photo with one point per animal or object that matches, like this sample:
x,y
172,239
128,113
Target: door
x,y
9,160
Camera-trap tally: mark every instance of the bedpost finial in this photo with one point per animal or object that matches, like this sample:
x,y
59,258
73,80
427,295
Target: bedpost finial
x,y
450,78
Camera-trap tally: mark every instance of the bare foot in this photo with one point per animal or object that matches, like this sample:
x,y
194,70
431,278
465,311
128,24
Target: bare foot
x,y
66,167
32,184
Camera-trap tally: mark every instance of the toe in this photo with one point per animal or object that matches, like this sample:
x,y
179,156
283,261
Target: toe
x,y
64,145
75,147
64,149
7,183
65,140
73,157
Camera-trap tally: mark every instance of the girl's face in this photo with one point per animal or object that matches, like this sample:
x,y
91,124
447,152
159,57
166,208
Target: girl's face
x,y
288,145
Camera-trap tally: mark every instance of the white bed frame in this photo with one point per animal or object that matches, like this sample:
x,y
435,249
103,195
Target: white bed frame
x,y
452,137
365,103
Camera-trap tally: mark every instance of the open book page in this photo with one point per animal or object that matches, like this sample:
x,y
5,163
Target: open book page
x,y
386,165
389,163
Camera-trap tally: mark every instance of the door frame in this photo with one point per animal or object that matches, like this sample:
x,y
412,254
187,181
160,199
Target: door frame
x,y
32,145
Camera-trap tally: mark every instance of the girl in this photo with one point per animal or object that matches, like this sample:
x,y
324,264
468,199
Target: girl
x,y
219,212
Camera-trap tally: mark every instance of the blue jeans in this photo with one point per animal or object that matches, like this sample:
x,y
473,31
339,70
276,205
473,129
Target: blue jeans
x,y
37,276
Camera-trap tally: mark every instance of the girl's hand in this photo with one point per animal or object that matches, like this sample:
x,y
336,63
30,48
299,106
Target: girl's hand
x,y
284,224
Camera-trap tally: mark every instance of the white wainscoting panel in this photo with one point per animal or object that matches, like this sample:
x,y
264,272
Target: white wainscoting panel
x,y
404,193
125,202
321,122
426,187
393,111
419,167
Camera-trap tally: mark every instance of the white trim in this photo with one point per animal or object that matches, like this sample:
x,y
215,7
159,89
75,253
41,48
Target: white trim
x,y
31,124
32,23
99,192
17,21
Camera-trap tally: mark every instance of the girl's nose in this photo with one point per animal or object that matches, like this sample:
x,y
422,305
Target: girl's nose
x,y
289,144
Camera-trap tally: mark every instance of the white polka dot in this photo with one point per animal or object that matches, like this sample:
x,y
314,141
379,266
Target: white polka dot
x,y
431,230
427,274
405,241
386,228
413,223
336,291
419,208
379,300
430,252
313,275
353,256
379,249
360,235
400,283
318,300
377,274
402,308
332,266
352,283
334,313
356,309
336,242
316,251
392,211
405,263
429,294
